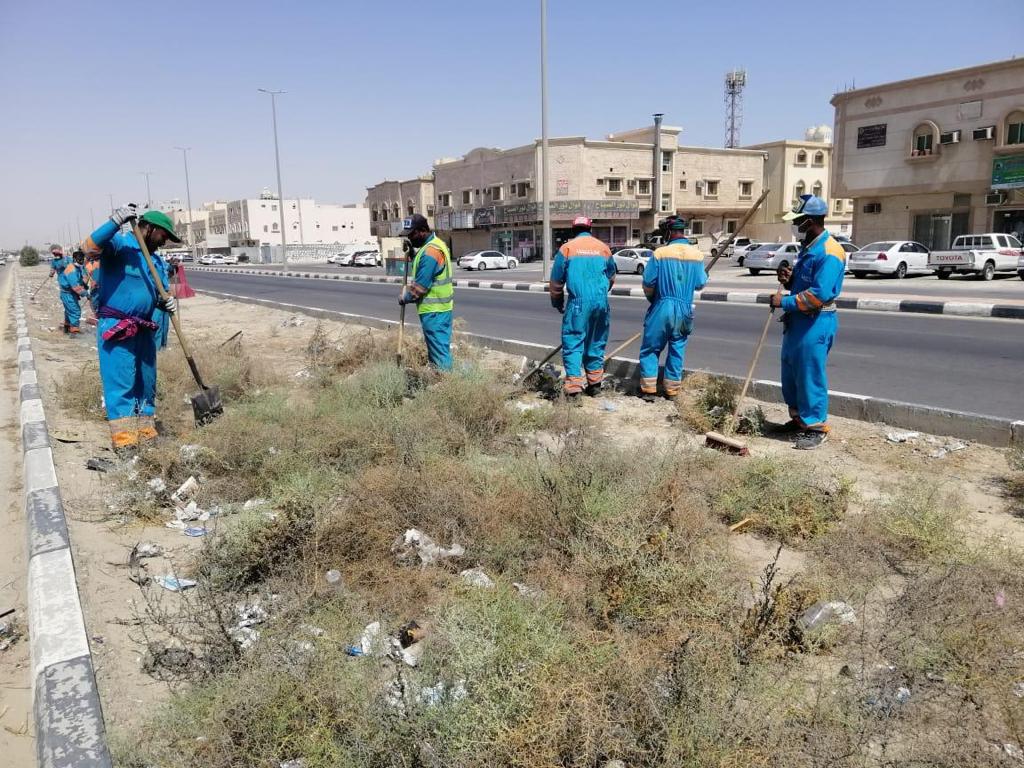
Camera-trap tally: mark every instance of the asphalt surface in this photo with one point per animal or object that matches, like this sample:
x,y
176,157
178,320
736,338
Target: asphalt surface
x,y
963,364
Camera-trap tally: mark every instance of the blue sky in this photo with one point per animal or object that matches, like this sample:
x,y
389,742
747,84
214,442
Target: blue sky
x,y
95,92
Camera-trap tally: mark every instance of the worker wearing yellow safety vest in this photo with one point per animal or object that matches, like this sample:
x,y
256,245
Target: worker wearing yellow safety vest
x,y
431,289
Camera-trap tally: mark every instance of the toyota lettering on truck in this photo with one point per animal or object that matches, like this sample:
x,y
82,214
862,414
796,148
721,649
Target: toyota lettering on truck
x,y
982,255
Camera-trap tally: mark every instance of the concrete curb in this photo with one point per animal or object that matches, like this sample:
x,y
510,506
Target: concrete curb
x,y
988,430
66,702
914,306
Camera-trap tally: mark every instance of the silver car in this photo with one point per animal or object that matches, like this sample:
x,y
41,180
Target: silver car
x,y
632,260
771,256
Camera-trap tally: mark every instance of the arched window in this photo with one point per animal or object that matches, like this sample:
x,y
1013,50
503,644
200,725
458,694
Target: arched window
x,y
924,140
396,211
798,190
801,158
816,189
410,209
374,214
1014,128
819,158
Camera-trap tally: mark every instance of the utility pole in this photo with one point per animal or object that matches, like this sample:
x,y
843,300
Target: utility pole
x,y
149,196
92,219
110,195
545,165
188,198
277,160
78,225
735,82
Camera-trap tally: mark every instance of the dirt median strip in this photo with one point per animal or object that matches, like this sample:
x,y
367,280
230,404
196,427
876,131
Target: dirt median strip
x,y
68,717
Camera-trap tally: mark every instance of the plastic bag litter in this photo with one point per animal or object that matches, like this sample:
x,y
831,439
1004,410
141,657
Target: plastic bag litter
x,y
475,577
157,485
432,695
426,548
951,447
189,451
524,407
195,532
1014,752
186,490
191,512
296,763
255,504
901,437
609,406
823,613
173,583
371,643
148,549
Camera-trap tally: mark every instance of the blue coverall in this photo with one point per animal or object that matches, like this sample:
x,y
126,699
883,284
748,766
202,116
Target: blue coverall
x,y
671,276
161,318
72,286
810,328
127,365
584,269
437,326
57,264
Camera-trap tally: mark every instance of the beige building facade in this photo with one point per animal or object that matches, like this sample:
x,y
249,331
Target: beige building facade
x,y
389,202
491,198
934,157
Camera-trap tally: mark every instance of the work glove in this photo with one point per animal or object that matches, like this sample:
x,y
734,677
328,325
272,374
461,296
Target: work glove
x,y
558,302
168,305
776,301
406,298
785,275
124,214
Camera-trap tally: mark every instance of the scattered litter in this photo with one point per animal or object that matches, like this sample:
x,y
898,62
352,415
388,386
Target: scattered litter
x,y
425,547
614,764
432,695
9,634
887,701
333,578
191,512
901,437
189,451
100,465
524,590
292,322
735,527
823,613
524,407
411,633
1013,751
66,435
296,763
950,447
475,577
370,643
410,656
1000,599
273,450
147,549
1018,690
303,374
157,485
309,629
195,532
186,490
255,504
175,525
609,406
174,583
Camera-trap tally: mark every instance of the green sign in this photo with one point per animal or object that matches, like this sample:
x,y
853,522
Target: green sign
x,y
1008,172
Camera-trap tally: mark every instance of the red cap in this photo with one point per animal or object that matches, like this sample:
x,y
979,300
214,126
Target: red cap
x,y
582,221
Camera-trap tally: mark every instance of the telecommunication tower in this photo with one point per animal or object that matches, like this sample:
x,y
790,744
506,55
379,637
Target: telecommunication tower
x,y
735,81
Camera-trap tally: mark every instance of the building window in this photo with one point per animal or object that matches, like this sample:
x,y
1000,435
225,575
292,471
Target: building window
x,y
730,226
746,190
801,158
666,162
520,189
265,227
318,226
799,191
273,207
445,199
410,209
1015,128
711,188
643,187
697,227
430,210
816,189
614,186
384,214
467,196
819,158
374,214
837,206
924,140
682,185
666,202
274,226
495,192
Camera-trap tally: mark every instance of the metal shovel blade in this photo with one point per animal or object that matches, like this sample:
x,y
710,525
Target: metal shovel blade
x,y
207,405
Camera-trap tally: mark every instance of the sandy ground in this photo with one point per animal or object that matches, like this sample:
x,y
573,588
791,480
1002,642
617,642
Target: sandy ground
x,y
16,736
101,543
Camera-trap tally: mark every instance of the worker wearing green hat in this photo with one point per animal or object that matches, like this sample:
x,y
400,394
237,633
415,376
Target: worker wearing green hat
x,y
128,299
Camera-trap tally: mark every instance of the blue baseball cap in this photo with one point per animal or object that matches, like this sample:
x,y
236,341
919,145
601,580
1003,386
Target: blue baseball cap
x,y
809,205
677,225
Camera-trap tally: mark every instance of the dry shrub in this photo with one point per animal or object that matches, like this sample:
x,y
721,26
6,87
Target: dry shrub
x,y
707,402
81,393
1015,457
1015,492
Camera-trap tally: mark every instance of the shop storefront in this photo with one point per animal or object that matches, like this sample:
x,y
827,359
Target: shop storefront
x,y
518,229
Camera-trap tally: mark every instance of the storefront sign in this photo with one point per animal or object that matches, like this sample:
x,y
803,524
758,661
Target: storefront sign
x,y
562,187
483,217
562,210
871,135
1008,172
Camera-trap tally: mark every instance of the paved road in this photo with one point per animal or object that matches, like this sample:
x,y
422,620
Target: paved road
x,y
957,363
727,276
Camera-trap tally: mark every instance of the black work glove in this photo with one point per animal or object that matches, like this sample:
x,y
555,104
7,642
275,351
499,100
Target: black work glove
x,y
558,302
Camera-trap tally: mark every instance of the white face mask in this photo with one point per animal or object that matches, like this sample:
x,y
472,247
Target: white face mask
x,y
796,232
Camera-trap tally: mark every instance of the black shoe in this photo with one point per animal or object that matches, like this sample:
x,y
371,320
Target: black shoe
x,y
791,427
648,397
574,398
593,390
809,440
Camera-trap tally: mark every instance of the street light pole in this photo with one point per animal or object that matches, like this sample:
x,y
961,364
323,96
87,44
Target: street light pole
x,y
277,160
149,196
545,165
110,195
188,198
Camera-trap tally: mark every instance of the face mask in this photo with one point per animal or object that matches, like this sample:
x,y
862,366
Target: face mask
x,y
796,232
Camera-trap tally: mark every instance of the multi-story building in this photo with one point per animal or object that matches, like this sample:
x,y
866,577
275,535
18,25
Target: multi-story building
x,y
257,221
491,198
209,227
389,202
793,168
934,157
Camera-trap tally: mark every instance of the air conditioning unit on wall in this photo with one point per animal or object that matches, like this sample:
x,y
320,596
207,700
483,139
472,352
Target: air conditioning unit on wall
x,y
995,198
984,134
949,137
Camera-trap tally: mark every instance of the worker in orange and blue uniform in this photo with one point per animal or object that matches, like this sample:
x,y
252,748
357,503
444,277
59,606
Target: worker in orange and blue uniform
x,y
92,280
583,269
671,276
814,282
127,298
432,290
57,260
72,287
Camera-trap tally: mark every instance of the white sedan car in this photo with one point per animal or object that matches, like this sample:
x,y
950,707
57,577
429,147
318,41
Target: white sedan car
x,y
897,258
771,256
481,260
341,259
632,260
211,259
366,259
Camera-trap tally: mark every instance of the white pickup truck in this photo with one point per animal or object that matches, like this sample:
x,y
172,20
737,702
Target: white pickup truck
x,y
981,255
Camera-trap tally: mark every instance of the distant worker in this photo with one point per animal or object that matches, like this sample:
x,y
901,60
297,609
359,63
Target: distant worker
x,y
431,289
810,321
584,269
72,288
92,280
127,298
671,276
57,260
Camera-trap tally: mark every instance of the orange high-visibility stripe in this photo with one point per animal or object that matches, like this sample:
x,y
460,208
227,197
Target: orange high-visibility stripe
x,y
595,377
649,385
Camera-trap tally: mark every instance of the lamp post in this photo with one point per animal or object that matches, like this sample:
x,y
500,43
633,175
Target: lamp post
x,y
149,196
188,199
277,161
545,165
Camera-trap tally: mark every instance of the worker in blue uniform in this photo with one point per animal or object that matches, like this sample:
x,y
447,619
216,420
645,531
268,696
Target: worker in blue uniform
x,y
671,276
72,284
127,298
161,318
814,282
57,260
431,289
583,269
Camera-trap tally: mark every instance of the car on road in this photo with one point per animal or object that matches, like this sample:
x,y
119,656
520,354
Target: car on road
x,y
896,258
211,259
1020,266
632,260
771,256
366,259
739,246
481,260
980,255
341,259
230,259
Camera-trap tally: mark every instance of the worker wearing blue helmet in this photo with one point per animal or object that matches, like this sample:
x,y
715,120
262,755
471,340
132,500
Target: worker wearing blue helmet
x,y
814,283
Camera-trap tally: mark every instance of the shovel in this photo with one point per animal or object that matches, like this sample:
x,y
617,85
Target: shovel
x,y
206,404
37,290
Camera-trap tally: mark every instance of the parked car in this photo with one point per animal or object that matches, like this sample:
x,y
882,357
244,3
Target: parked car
x,y
230,259
1020,266
741,251
738,246
632,260
366,259
481,260
897,258
980,255
341,259
210,259
771,256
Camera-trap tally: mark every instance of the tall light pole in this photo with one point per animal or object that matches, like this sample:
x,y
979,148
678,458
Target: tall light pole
x,y
149,196
545,165
78,225
277,160
110,196
92,219
188,198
